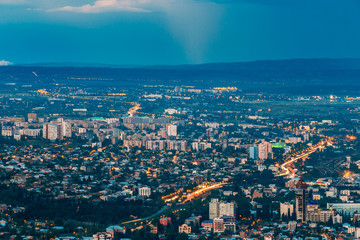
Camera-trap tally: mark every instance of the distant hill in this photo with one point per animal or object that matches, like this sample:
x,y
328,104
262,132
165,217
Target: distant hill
x,y
75,64
291,64
295,75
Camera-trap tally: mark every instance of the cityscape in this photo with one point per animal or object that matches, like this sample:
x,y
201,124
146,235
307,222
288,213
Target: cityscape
x,y
177,162
179,120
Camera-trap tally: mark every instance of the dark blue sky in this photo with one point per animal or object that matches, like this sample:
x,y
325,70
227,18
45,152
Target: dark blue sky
x,y
177,31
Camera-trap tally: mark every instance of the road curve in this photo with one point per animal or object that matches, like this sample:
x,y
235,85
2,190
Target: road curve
x,y
287,171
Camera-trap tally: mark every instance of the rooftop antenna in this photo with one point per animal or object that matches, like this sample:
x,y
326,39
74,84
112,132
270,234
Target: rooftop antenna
x,y
301,183
301,168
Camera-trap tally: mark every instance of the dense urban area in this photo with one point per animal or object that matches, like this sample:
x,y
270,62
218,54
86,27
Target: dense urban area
x,y
164,160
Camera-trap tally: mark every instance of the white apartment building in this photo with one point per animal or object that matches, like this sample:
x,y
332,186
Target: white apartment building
x,y
145,191
286,209
220,209
172,130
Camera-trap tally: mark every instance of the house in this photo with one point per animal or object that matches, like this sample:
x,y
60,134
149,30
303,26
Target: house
x,y
184,228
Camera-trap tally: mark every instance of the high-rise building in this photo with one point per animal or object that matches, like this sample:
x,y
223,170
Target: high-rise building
x,y
66,130
227,209
51,131
301,200
254,152
57,130
220,209
172,130
265,150
214,210
45,131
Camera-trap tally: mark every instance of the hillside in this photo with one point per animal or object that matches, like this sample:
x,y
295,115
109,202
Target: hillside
x,y
277,75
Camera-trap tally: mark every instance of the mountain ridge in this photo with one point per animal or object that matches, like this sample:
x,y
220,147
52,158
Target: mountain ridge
x,y
297,75
307,63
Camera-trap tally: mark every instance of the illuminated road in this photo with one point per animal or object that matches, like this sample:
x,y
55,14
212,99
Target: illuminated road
x,y
149,217
134,109
287,170
201,189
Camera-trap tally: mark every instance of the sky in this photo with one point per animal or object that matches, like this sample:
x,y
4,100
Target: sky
x,y
151,32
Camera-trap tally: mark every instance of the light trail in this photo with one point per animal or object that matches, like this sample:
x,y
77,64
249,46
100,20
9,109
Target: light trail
x,y
201,189
287,170
134,109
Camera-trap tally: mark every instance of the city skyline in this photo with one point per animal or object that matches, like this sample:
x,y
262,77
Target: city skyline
x,y
179,119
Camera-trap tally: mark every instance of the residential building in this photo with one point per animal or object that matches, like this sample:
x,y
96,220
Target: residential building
x,y
102,236
145,191
254,152
184,228
220,209
265,150
301,200
345,208
172,130
218,225
286,209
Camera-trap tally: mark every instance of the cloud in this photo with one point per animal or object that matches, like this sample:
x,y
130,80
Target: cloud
x,y
192,23
12,2
5,63
100,6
